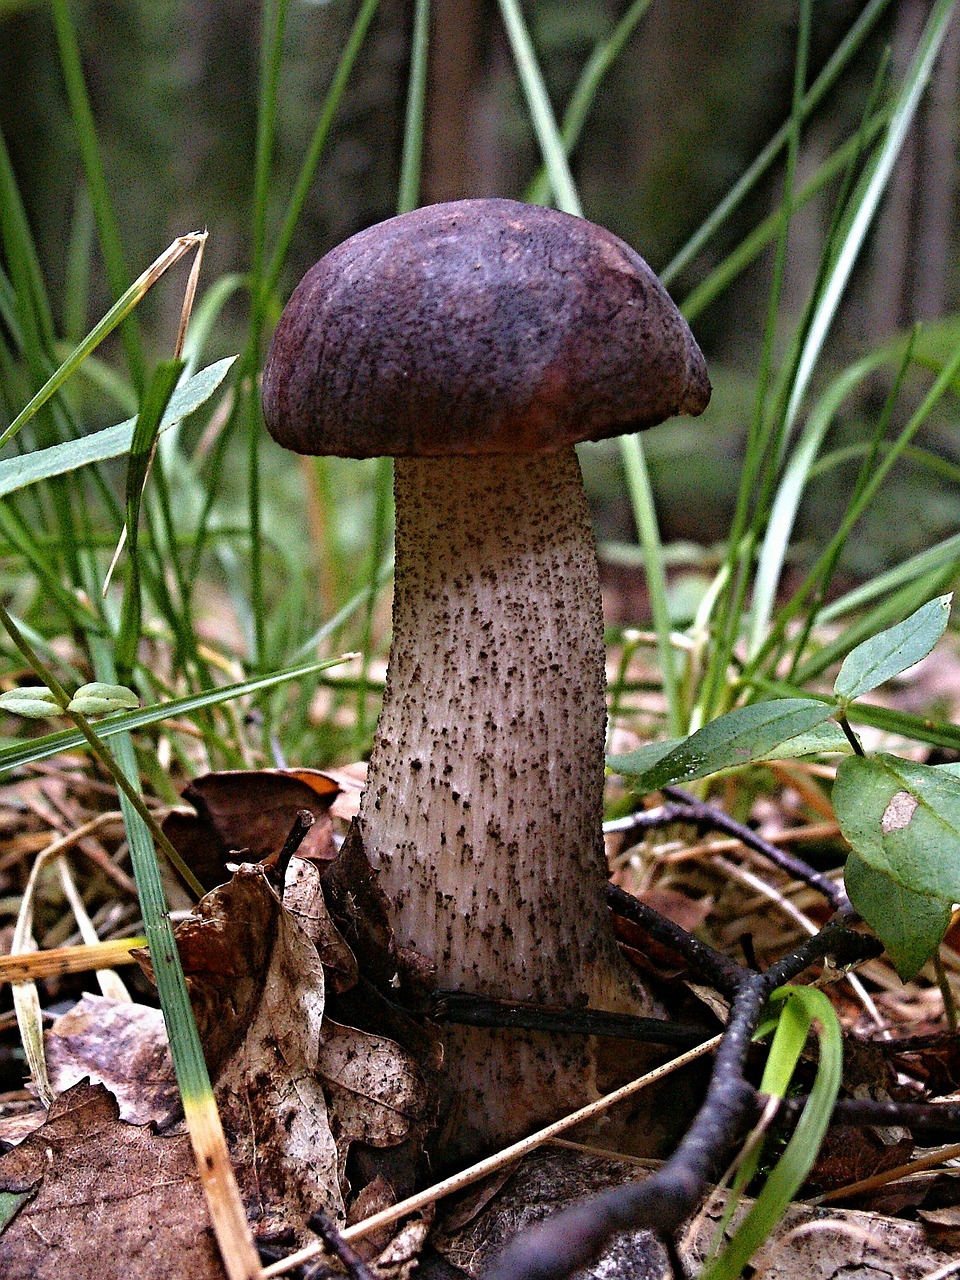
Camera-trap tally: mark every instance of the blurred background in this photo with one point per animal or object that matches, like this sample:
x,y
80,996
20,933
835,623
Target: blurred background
x,y
697,91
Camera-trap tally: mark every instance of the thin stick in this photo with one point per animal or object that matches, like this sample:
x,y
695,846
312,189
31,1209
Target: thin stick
x,y
890,1175
79,959
493,1163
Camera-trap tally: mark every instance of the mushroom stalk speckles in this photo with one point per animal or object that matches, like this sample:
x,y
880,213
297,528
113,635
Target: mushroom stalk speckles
x,y
483,810
484,805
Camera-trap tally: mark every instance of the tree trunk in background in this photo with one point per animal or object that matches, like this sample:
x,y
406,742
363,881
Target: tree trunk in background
x,y
938,185
913,249
449,168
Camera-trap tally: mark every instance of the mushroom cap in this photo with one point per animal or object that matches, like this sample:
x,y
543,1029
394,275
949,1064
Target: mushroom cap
x,y
473,327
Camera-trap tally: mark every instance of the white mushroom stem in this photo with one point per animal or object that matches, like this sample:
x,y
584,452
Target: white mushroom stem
x,y
483,806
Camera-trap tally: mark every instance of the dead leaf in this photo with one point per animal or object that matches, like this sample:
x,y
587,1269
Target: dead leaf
x,y
852,1154
122,1046
253,811
401,1257
294,1089
351,779
361,910
303,898
540,1185
225,949
376,1093
269,1095
808,1244
108,1200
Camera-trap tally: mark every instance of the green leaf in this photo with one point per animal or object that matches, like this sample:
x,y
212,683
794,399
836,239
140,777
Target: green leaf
x,y
636,763
99,699
10,1202
822,740
910,925
33,702
42,464
884,656
903,819
741,737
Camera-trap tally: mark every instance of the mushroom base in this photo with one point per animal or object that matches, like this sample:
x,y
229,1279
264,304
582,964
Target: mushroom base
x,y
483,806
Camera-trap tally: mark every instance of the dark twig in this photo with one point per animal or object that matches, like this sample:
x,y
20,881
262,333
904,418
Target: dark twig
x,y
295,838
709,966
574,1238
353,1264
861,1112
674,1260
683,807
465,1009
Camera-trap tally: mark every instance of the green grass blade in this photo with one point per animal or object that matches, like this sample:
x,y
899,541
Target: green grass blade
x,y
86,132
541,112
648,533
915,83
935,733
764,433
183,1036
585,91
155,402
891,610
19,754
408,195
111,442
76,287
942,558
787,1176
321,132
117,313
634,461
271,60
750,248
841,57
792,486
30,301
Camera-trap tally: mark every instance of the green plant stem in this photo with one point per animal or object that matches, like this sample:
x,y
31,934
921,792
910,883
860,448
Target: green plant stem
x,y
538,104
761,438
585,91
408,195
631,450
855,743
331,103
842,55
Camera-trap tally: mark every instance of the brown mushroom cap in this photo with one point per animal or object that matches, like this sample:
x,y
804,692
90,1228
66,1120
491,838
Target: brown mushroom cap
x,y
478,326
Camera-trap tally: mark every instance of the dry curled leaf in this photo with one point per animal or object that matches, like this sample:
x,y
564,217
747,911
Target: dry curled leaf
x,y
376,1093
268,1092
295,1090
303,898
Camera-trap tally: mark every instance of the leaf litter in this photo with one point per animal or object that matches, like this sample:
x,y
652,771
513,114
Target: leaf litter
x,y
305,1096
300,1093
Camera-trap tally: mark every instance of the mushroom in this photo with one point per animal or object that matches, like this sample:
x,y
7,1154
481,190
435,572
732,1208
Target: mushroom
x,y
477,342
